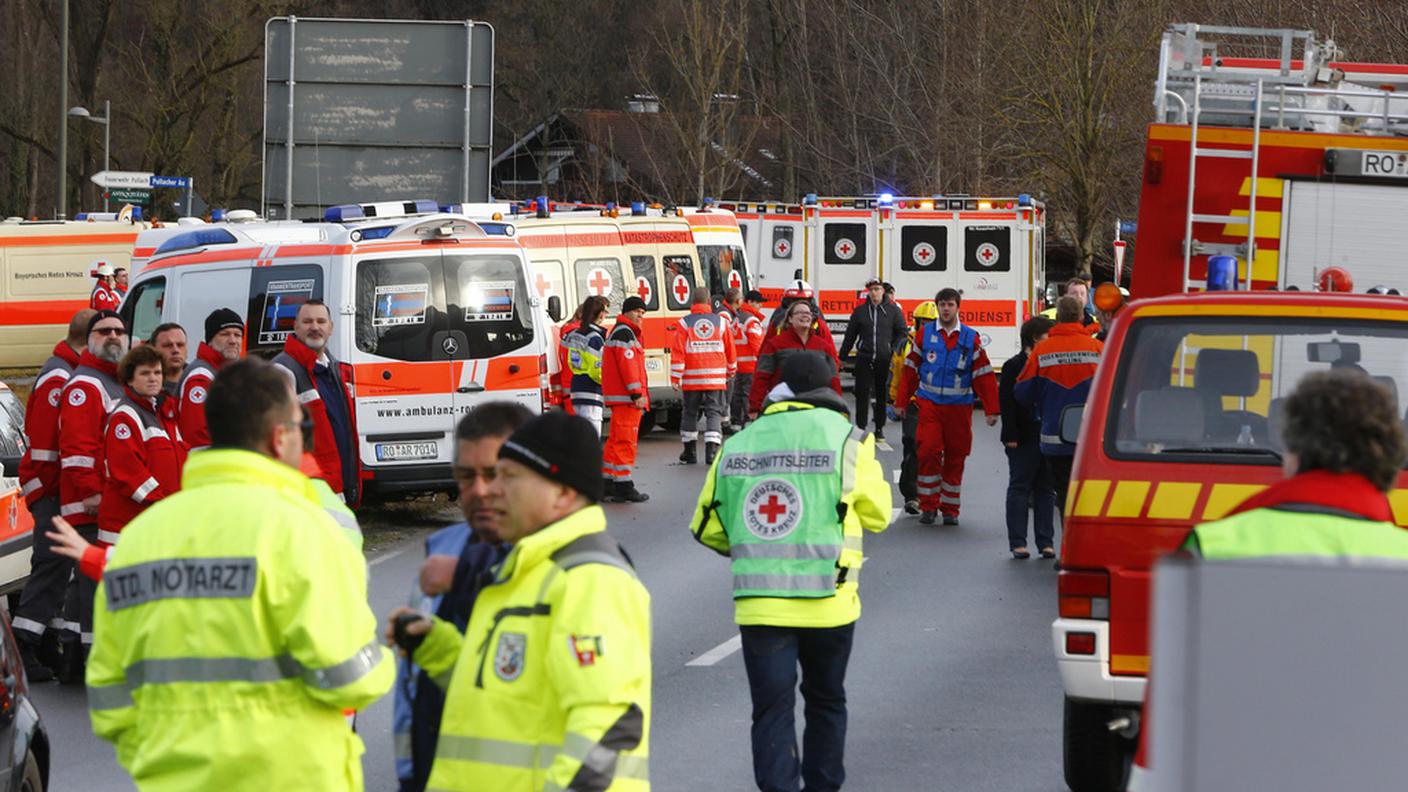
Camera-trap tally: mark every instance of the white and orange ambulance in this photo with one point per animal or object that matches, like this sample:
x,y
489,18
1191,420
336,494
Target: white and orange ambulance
x,y
722,254
433,314
46,276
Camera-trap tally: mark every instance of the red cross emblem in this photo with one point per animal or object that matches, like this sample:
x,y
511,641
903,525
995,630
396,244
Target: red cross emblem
x,y
599,282
773,509
544,285
643,288
987,254
681,289
844,248
735,280
780,248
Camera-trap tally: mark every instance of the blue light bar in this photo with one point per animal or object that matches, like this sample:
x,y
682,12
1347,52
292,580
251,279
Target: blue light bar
x,y
886,199
136,214
497,229
343,213
542,205
81,216
426,207
1024,200
708,201
1222,273
194,239
217,215
379,232
809,200
637,207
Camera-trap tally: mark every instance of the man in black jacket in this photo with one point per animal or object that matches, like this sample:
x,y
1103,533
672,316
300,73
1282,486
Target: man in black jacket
x,y
1028,484
875,328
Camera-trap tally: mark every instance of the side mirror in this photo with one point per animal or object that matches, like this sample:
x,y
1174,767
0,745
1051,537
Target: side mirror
x,y
555,308
1071,418
10,467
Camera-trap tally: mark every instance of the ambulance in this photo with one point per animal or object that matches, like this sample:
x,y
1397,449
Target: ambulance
x,y
719,240
771,232
16,524
46,276
433,315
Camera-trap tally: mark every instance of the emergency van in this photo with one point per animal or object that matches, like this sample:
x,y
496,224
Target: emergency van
x,y
1183,423
46,276
16,524
1293,163
432,312
719,240
771,232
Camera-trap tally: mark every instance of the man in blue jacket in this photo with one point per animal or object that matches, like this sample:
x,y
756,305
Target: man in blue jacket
x,y
459,558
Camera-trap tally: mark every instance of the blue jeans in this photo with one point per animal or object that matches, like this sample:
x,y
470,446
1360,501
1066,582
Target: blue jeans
x,y
1029,485
771,655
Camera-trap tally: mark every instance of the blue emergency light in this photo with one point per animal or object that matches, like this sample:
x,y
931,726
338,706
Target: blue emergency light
x,y
542,205
637,207
379,232
886,199
708,201
217,215
1024,200
194,239
809,199
136,214
343,213
1222,273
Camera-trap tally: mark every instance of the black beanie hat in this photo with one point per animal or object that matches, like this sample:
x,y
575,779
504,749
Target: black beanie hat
x,y
806,370
106,314
561,447
633,303
219,319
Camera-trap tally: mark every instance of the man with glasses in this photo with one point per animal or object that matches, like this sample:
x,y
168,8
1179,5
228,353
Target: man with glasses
x,y
92,392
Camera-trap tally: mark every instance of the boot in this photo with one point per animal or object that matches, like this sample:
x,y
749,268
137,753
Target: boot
x,y
911,506
690,456
34,668
710,451
75,657
626,492
928,517
608,493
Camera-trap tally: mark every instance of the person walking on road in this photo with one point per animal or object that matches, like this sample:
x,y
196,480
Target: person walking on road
x,y
627,393
584,351
1058,375
702,360
224,343
43,592
788,501
909,417
142,449
549,687
1028,480
232,627
876,328
458,561
798,338
319,385
944,369
748,334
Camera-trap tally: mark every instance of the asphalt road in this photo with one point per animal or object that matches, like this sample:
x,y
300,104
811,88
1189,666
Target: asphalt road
x,y
951,686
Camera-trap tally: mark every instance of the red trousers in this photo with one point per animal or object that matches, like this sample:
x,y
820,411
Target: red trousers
x,y
945,438
618,457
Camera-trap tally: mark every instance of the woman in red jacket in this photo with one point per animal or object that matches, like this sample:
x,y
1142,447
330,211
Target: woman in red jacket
x,y
142,450
796,337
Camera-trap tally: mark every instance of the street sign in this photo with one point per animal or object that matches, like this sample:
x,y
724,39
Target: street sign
x,y
1119,259
181,182
126,195
128,179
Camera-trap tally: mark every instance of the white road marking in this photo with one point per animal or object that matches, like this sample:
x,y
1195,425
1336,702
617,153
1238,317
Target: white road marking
x,y
884,446
384,557
895,476
713,656
895,514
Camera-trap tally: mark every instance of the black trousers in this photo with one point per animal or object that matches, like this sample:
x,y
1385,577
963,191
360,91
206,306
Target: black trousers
x,y
771,656
872,382
1058,468
909,466
43,596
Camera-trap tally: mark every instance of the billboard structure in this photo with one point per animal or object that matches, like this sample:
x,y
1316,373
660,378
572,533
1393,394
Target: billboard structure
x,y
358,111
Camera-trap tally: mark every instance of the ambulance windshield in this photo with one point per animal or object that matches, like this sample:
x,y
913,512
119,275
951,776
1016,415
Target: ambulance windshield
x,y
1216,388
724,267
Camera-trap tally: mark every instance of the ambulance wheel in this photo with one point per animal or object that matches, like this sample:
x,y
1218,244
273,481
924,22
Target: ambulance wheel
x,y
647,422
33,778
1095,758
672,420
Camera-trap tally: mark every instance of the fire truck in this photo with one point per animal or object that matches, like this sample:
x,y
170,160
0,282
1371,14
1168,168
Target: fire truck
x,y
990,248
1291,163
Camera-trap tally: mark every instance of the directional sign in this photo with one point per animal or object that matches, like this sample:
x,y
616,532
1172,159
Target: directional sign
x,y
130,196
171,181
132,180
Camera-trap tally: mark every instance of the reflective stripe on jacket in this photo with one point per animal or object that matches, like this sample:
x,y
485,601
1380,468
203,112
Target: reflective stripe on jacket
x,y
702,357
91,393
142,459
1058,374
748,337
623,370
584,348
864,501
549,688
39,467
195,386
231,631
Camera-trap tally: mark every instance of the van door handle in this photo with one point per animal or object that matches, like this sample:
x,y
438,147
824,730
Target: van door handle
x,y
472,388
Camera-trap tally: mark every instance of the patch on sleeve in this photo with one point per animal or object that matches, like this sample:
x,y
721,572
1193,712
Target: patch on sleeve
x,y
586,648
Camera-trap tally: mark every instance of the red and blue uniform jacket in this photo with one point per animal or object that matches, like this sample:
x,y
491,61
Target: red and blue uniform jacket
x,y
1058,375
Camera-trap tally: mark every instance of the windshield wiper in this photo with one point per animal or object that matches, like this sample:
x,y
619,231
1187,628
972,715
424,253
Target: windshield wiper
x,y
1244,450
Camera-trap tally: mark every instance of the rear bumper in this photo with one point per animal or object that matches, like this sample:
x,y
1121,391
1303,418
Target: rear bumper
x,y
665,398
408,480
1088,676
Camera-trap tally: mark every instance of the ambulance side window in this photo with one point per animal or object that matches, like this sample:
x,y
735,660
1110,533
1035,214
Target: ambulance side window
x,y
487,300
548,280
142,308
719,263
400,306
844,243
275,295
679,280
647,283
600,277
924,248
987,249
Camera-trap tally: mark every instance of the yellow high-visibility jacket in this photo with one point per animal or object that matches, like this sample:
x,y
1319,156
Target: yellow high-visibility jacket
x,y
549,688
231,629
897,363
867,508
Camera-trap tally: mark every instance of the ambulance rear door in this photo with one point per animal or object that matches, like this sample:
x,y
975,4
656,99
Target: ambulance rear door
x,y
988,251
722,259
841,256
666,270
917,259
779,257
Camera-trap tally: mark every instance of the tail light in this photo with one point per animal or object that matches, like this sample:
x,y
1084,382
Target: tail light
x,y
1080,643
1083,594
544,387
1154,165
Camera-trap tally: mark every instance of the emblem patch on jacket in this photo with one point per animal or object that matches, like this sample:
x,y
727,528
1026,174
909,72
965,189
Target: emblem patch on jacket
x,y
586,648
772,509
510,655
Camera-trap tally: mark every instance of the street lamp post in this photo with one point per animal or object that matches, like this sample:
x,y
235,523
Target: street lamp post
x,y
106,121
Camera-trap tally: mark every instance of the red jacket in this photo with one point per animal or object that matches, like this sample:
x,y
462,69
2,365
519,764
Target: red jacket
x,y
623,367
749,329
562,386
702,356
143,455
299,359
195,385
92,392
104,299
39,467
775,349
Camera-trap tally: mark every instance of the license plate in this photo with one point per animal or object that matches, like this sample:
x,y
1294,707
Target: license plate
x,y
401,452
654,365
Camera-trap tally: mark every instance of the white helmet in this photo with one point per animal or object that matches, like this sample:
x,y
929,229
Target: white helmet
x,y
102,269
799,289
